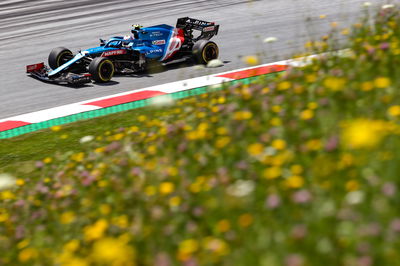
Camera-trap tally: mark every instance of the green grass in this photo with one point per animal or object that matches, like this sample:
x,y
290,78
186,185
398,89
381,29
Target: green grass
x,y
298,170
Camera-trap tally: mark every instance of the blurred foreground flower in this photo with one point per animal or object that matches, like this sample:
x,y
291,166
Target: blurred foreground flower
x,y
163,100
7,181
270,39
367,4
251,60
86,139
241,188
363,133
387,6
215,63
112,251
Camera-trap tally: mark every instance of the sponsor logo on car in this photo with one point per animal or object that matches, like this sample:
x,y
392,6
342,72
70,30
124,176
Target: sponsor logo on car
x,y
154,51
114,52
210,28
159,42
156,34
198,22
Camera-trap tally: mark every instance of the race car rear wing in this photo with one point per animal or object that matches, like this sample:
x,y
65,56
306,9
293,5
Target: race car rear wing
x,y
208,29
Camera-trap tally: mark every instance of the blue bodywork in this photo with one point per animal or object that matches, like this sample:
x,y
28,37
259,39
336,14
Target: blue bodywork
x,y
151,41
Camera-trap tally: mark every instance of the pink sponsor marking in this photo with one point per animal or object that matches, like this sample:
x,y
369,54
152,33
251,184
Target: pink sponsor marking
x,y
254,72
136,96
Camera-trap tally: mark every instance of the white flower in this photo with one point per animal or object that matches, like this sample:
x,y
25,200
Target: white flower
x,y
162,100
7,181
387,6
355,197
367,4
241,188
215,63
270,39
86,139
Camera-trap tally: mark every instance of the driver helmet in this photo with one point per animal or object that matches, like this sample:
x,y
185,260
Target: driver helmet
x,y
136,27
128,37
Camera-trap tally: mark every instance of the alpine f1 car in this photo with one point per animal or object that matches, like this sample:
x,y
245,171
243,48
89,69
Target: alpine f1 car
x,y
161,43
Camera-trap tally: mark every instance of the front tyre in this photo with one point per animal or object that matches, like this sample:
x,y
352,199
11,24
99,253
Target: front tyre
x,y
102,69
59,56
204,51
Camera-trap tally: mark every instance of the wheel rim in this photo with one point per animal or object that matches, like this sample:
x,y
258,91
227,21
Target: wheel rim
x,y
210,53
106,71
63,58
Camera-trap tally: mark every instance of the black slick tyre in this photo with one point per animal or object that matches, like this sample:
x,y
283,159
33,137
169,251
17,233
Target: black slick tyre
x,y
102,69
59,56
204,51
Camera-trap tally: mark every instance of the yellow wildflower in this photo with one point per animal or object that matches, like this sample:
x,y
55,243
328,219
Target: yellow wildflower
x,y
47,160
272,172
294,181
121,221
67,217
242,115
167,188
382,82
222,142
311,78
72,245
363,133
20,182
394,110
112,251
251,60
245,220
312,105
186,248
284,85
335,83
223,226
255,149
367,86
27,254
279,144
314,144
150,190
276,121
78,157
95,231
352,185
307,114
105,209
23,244
276,108
345,31
175,201
55,128
296,169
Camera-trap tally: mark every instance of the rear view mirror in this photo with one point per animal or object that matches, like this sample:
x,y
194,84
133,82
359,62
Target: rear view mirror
x,y
102,42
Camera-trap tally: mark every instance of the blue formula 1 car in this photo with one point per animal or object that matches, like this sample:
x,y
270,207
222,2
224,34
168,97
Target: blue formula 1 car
x,y
190,39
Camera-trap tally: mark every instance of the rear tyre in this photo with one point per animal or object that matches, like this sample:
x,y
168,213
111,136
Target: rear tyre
x,y
102,69
204,51
59,56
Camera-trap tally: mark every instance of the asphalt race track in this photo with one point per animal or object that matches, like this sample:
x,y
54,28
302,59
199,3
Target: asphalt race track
x,y
29,29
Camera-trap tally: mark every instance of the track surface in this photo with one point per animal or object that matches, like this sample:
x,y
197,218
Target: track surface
x,y
29,29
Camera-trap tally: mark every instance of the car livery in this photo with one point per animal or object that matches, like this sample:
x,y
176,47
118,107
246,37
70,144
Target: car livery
x,y
160,43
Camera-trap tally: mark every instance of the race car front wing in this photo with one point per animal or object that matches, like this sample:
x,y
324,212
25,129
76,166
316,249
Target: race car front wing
x,y
40,71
